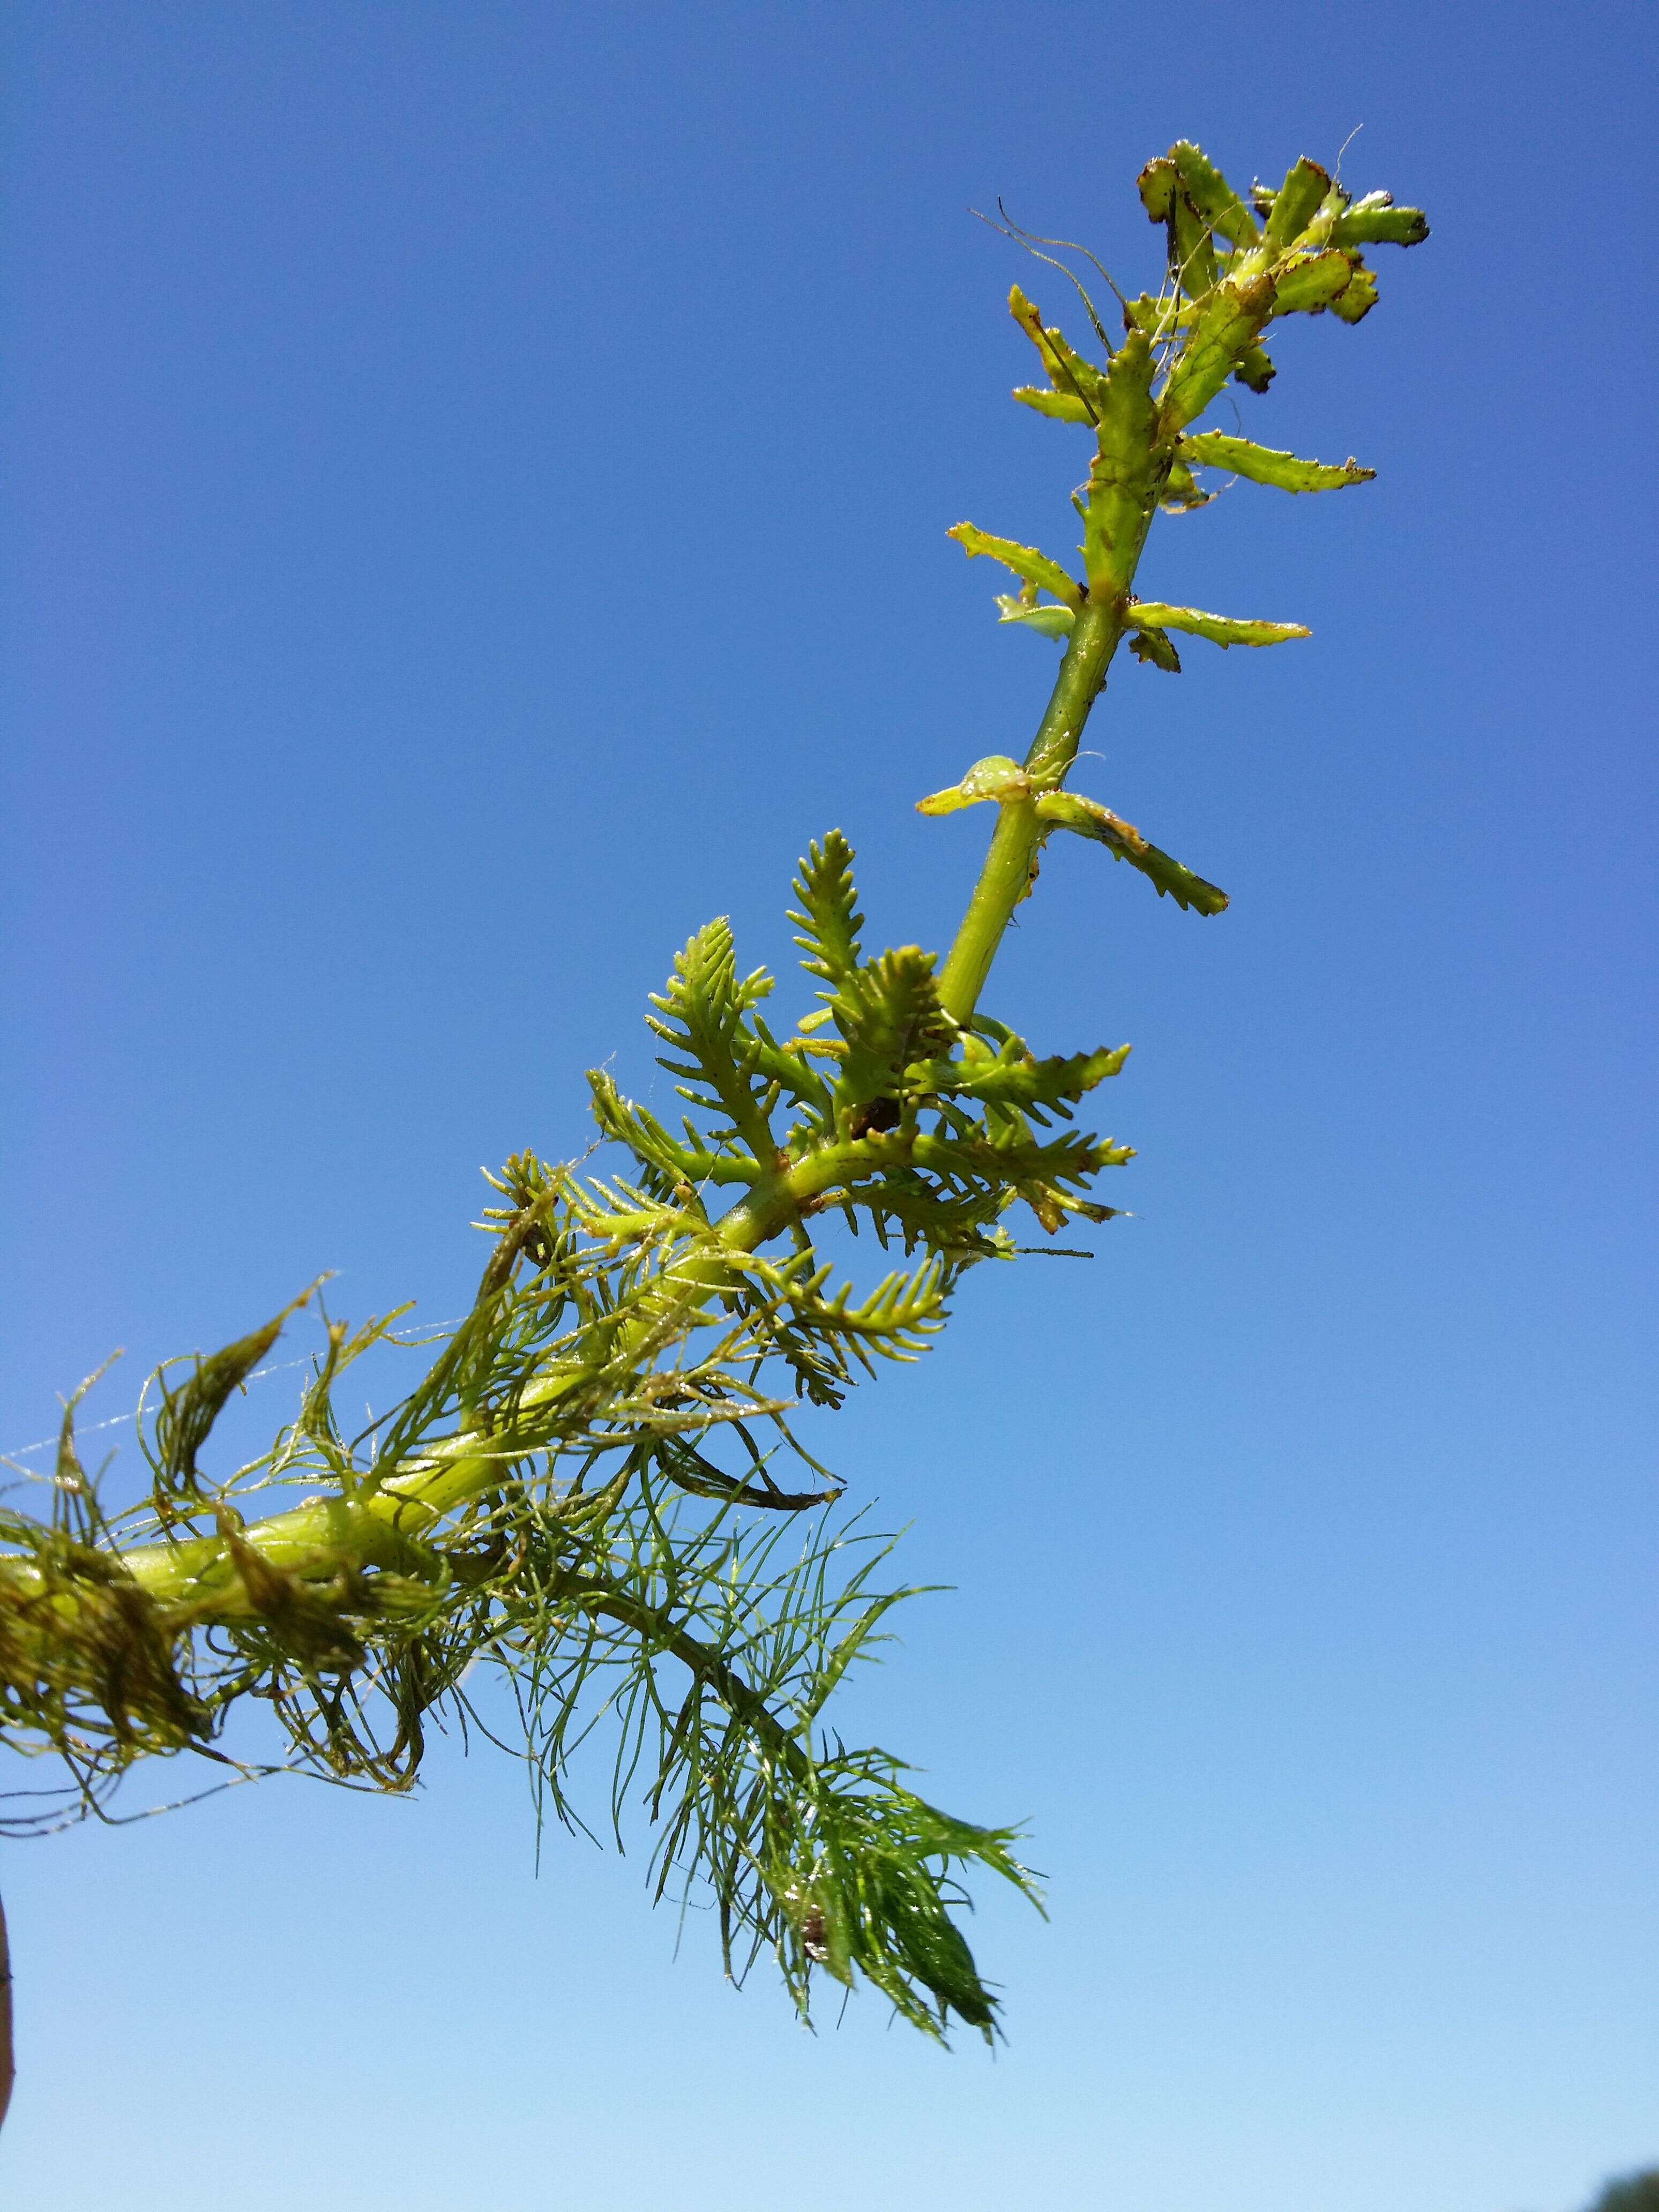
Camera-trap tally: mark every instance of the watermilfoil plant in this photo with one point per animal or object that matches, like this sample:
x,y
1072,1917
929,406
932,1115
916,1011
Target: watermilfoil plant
x,y
597,1487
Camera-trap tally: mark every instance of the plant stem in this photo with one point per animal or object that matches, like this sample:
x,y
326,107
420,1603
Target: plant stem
x,y
1012,863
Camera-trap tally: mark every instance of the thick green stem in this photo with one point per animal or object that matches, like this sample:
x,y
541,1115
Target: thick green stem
x,y
1011,864
324,1535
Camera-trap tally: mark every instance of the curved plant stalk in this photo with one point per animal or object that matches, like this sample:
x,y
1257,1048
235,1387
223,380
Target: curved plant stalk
x,y
582,1491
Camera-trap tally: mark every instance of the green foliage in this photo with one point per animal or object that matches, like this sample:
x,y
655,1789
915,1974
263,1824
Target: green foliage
x,y
830,921
1069,809
1214,449
1376,221
1025,560
1221,629
579,1495
1156,647
1046,621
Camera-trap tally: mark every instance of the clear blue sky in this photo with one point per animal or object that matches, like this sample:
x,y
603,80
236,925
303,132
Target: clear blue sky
x,y
475,480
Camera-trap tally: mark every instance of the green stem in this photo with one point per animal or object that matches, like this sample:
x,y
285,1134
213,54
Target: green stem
x,y
1011,864
320,1537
